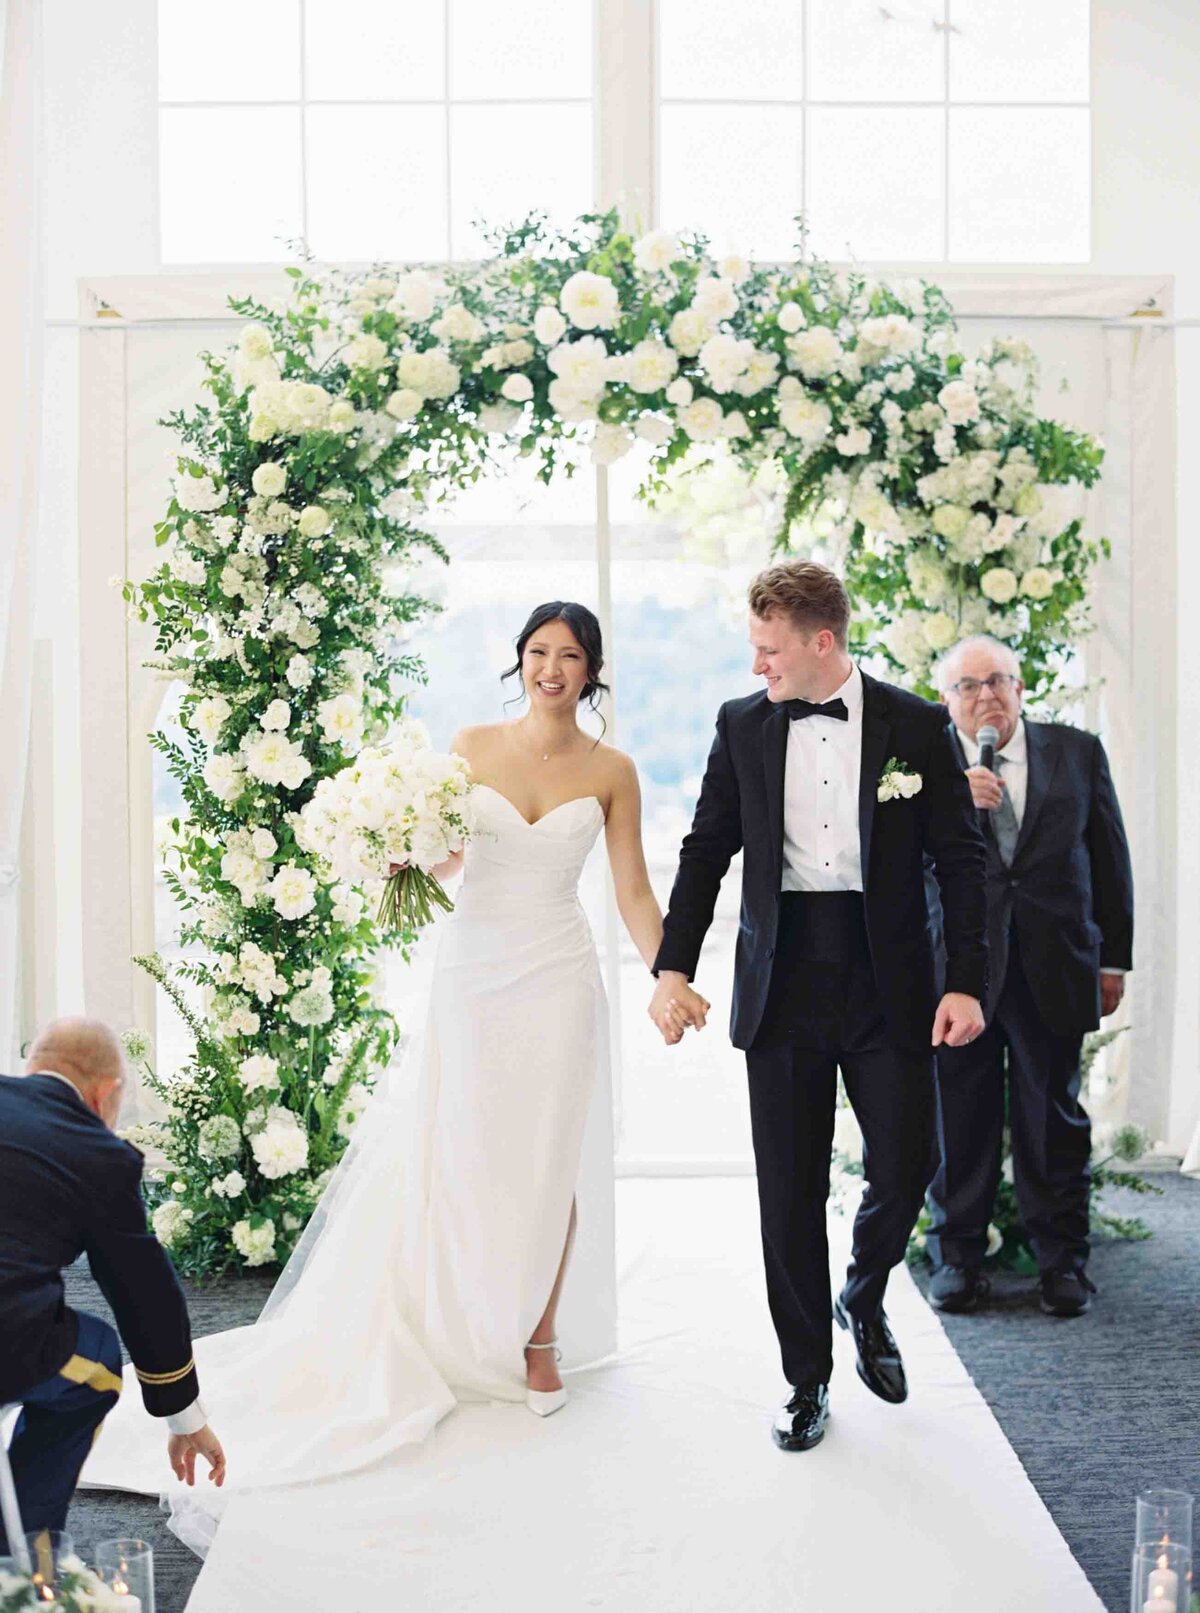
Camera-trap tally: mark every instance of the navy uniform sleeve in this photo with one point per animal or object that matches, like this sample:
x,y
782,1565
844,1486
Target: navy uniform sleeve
x,y
136,1276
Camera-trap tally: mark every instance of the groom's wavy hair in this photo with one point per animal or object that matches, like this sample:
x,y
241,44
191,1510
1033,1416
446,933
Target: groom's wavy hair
x,y
809,595
586,628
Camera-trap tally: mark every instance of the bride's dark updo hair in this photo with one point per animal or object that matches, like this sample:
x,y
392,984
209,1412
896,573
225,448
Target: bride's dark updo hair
x,y
586,629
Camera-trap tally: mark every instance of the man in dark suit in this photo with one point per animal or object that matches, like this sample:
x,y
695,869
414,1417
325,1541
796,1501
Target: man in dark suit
x,y
836,786
69,1186
1060,934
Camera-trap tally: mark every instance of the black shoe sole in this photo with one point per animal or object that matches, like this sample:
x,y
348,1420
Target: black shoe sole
x,y
785,1442
956,1307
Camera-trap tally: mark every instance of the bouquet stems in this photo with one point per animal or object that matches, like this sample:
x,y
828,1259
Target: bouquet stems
x,y
410,899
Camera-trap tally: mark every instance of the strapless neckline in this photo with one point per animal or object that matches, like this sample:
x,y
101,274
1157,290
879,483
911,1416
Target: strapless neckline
x,y
517,813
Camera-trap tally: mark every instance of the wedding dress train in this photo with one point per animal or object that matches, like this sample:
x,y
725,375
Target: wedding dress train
x,y
433,1252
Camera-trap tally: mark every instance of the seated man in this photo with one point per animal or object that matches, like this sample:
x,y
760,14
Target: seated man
x,y
69,1186
1060,938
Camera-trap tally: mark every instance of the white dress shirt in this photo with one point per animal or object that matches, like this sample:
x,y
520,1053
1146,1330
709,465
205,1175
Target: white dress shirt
x,y
821,850
192,1418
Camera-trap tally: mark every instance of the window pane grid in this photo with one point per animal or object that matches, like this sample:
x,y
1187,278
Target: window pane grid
x,y
370,149
861,79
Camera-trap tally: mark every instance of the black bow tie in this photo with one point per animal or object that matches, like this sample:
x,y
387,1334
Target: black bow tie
x,y
807,708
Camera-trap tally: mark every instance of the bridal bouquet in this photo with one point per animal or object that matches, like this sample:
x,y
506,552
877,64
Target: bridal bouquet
x,y
405,804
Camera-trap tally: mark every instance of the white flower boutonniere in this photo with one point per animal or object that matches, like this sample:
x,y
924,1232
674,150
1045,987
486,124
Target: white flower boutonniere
x,y
897,782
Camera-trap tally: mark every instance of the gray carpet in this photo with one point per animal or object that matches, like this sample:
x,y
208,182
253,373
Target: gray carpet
x,y
1096,1409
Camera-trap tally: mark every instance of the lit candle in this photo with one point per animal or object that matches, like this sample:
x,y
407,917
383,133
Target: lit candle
x,y
122,1600
1163,1583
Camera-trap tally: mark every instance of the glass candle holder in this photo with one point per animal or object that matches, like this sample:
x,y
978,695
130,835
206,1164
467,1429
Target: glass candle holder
x,y
127,1567
1164,1515
47,1548
1161,1581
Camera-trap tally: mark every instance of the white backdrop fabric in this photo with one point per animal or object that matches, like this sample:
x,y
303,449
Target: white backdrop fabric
x,y
657,1489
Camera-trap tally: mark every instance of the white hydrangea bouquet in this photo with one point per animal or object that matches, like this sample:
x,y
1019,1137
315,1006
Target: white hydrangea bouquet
x,y
403,803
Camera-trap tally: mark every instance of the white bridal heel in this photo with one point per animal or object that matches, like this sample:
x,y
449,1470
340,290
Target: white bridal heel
x,y
544,1402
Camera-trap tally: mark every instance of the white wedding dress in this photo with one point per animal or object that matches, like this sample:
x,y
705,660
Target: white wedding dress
x,y
433,1252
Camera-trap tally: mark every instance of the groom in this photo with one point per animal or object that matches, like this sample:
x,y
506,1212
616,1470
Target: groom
x,y
837,787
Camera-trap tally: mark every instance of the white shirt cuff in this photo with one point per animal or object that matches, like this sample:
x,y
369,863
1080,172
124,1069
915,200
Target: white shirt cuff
x,y
1112,971
188,1421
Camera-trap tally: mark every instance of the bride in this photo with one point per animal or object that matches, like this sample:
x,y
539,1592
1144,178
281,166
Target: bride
x,y
433,1268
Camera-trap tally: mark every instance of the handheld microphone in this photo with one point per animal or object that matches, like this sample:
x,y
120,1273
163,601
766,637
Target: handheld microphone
x,y
989,738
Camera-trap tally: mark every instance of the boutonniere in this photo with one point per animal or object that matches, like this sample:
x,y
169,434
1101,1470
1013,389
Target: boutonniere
x,y
897,781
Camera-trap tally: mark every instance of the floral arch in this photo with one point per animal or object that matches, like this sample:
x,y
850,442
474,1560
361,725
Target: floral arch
x,y
365,400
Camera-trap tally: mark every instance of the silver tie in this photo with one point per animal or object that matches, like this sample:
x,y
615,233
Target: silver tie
x,y
1004,823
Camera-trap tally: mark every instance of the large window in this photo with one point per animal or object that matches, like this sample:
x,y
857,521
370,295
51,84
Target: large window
x,y
922,130
368,128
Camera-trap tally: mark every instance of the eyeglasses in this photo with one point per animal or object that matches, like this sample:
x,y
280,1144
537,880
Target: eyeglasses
x,y
969,688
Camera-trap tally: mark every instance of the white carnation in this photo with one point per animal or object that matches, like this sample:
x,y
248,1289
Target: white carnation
x,y
960,401
224,776
276,717
258,1073
815,353
590,301
702,420
209,716
806,418
715,299
293,891
656,251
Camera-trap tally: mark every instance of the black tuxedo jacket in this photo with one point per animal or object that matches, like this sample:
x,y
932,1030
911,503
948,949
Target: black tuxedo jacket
x,y
1069,893
741,806
68,1186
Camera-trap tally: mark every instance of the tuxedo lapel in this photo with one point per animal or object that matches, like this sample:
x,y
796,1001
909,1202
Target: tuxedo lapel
x,y
775,738
1041,763
876,733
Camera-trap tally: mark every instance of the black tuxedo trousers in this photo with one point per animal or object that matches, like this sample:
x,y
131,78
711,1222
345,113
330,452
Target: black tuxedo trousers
x,y
824,1012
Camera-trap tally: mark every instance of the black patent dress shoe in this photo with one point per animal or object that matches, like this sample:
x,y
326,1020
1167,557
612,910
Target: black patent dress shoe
x,y
879,1363
1065,1293
957,1289
800,1424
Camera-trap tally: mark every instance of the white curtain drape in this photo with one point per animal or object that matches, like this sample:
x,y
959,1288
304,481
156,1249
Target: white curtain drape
x,y
20,431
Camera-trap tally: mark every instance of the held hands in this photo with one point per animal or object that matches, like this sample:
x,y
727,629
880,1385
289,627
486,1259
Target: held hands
x,y
987,791
182,1450
959,1019
675,1006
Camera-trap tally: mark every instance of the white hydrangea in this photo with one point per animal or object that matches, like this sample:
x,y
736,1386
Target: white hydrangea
x,y
431,372
199,494
255,1243
816,353
405,403
590,301
354,1103
457,324
229,1187
890,333
905,639
367,352
170,1222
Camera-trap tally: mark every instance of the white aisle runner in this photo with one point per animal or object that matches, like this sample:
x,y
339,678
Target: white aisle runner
x,y
657,1489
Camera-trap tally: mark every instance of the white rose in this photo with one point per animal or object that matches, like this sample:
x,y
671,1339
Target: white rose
x,y
941,630
854,442
790,318
198,494
254,342
654,428
999,585
656,251
715,299
293,892
517,389
734,268
806,418
259,1073
299,672
549,326
277,716
688,331
314,521
1037,583
1027,502
702,420
367,352
892,333
680,392
269,479
342,415
652,364
404,404
590,301
415,296
224,776
610,443
815,352
498,417
734,425
209,716
457,324
341,720
960,401
950,520
264,843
